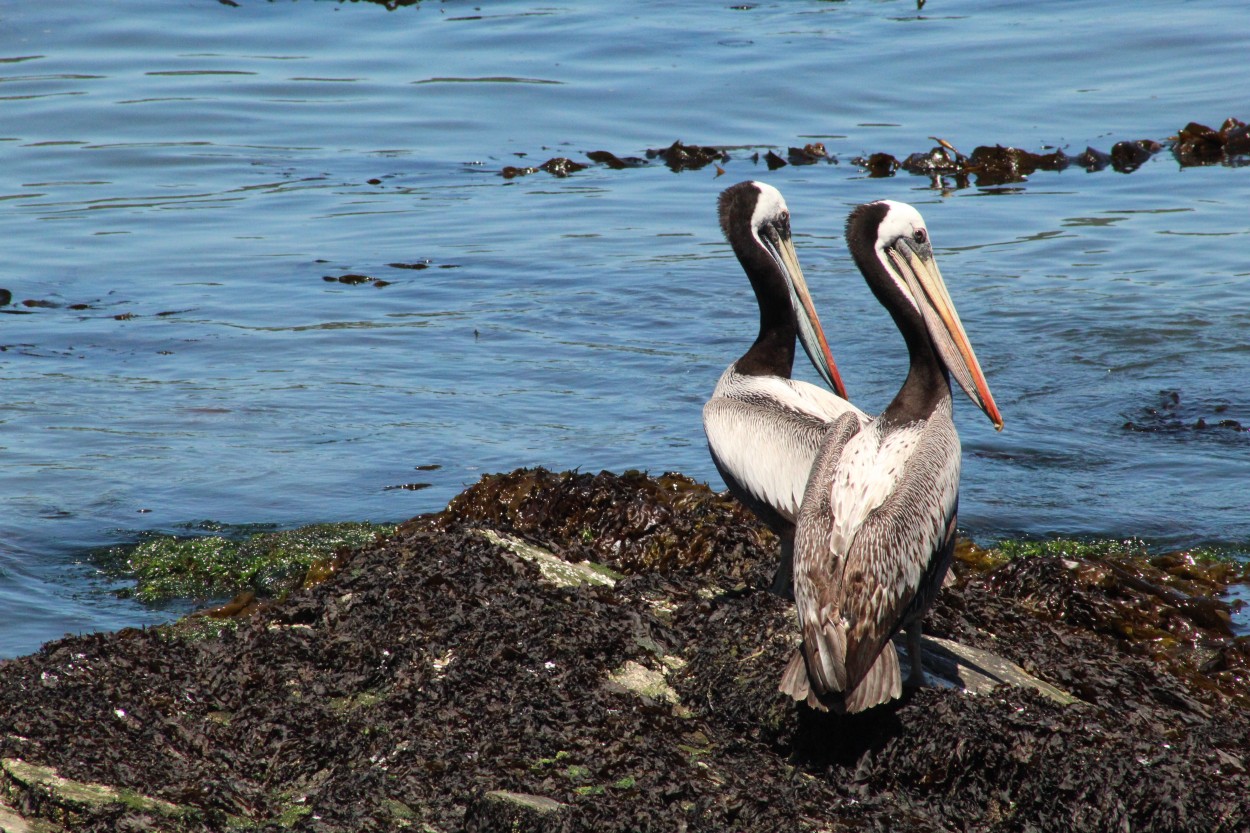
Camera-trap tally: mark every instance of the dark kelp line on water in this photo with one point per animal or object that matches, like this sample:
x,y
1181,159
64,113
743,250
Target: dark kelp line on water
x,y
1194,145
987,166
568,652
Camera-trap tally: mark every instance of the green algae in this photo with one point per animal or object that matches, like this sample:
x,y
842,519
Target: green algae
x,y
292,816
167,567
360,700
1211,566
577,772
543,763
1072,548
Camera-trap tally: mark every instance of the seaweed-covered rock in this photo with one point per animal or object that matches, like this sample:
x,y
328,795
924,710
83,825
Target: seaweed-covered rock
x,y
446,679
631,522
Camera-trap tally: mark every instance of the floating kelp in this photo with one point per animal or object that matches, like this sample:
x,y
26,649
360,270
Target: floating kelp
x,y
938,161
809,154
997,165
561,166
615,162
680,157
1127,157
354,279
878,164
987,165
1197,144
1093,160
773,161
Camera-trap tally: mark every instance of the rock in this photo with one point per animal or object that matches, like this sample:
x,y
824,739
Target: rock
x,y
963,667
66,799
12,822
500,810
555,569
647,682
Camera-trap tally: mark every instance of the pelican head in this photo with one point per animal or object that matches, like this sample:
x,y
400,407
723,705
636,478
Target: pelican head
x,y
903,252
755,219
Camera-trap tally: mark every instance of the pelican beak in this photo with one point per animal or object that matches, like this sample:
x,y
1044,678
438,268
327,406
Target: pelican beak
x,y
811,334
921,274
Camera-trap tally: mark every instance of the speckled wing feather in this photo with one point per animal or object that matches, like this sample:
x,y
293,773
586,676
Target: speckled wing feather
x,y
875,517
808,673
889,559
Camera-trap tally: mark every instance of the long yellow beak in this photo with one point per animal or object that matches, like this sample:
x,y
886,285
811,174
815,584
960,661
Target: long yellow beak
x,y
811,334
945,329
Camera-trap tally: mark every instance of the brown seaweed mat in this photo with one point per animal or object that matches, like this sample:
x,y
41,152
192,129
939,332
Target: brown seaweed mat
x,y
452,678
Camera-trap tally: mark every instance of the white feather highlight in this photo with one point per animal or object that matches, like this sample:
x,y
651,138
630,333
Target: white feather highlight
x,y
768,455
770,204
902,220
866,476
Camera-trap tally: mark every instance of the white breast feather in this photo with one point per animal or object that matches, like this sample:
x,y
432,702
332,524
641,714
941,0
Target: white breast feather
x,y
867,474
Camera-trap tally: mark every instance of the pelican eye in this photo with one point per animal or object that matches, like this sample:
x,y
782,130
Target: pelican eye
x,y
921,236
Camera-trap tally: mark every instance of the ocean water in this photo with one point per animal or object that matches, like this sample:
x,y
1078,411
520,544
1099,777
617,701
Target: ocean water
x,y
183,185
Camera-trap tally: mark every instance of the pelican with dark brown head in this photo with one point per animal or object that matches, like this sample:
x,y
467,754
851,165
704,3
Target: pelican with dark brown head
x,y
876,528
764,428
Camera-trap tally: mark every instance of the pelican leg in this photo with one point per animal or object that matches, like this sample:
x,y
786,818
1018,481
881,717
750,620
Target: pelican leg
x,y
916,678
783,579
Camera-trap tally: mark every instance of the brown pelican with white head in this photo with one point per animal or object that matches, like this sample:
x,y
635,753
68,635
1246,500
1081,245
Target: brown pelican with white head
x,y
764,428
876,528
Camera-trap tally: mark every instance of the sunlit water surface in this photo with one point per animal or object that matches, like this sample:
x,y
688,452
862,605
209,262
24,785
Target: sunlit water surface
x,y
178,180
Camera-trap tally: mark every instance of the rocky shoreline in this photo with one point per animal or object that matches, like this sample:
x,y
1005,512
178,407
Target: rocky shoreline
x,y
568,652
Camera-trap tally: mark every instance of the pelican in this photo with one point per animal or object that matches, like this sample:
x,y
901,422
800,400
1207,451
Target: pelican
x,y
876,527
764,428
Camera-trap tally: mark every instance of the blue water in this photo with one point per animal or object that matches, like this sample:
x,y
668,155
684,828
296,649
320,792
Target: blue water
x,y
187,175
